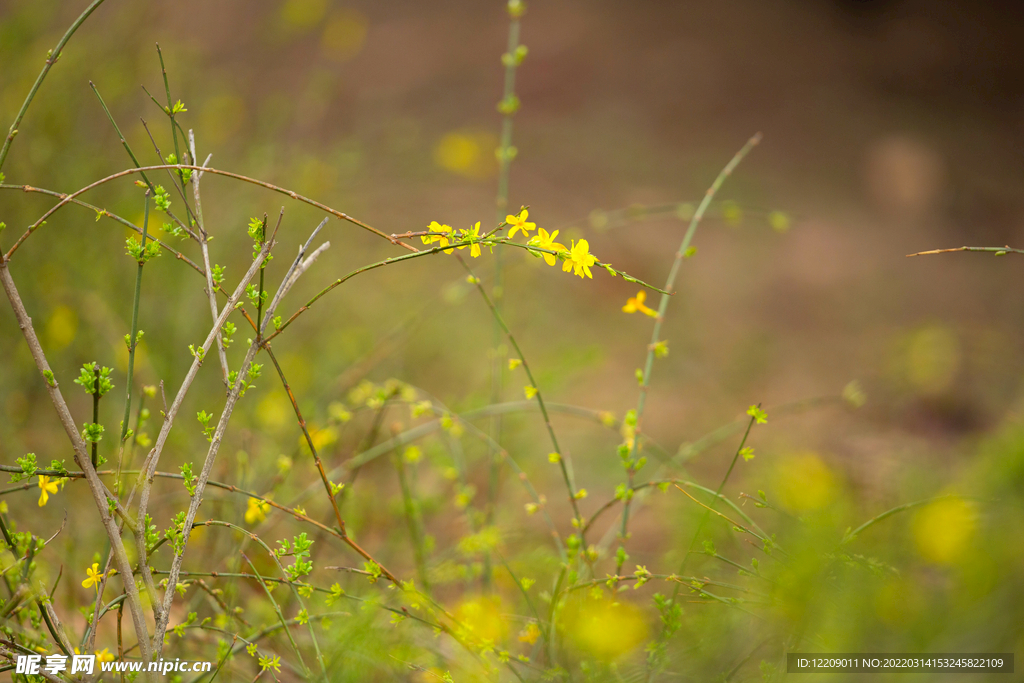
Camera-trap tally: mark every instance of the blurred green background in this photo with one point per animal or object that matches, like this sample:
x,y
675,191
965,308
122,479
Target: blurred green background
x,y
890,128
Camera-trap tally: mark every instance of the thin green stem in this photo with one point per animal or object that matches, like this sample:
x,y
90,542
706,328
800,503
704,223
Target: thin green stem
x,y
434,250
51,59
280,615
413,521
133,339
505,156
630,461
95,410
561,457
170,114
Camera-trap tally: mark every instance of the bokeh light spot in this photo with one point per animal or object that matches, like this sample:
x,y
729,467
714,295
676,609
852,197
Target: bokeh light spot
x,y
943,529
804,482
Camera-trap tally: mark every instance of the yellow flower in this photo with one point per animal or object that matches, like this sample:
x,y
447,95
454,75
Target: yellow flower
x,y
257,511
93,576
530,392
46,488
104,655
580,259
474,250
437,227
519,223
637,304
514,363
529,634
545,241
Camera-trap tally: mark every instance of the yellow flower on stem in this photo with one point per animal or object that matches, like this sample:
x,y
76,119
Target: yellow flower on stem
x,y
580,259
437,227
46,487
636,303
104,655
92,576
257,511
519,223
547,241
473,232
530,392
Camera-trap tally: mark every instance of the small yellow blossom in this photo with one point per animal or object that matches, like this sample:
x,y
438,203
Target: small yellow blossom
x,y
93,576
529,634
437,227
545,241
519,223
530,392
270,662
580,259
636,303
104,655
257,511
554,457
474,232
514,363
46,488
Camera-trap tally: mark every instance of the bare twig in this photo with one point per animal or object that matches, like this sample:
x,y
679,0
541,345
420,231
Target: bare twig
x,y
81,455
204,242
998,251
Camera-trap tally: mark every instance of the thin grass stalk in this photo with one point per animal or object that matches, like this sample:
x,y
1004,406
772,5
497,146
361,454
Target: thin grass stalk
x,y
132,344
656,332
413,521
51,59
505,156
569,484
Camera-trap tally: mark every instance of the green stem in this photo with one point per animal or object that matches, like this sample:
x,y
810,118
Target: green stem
x,y
170,115
498,288
133,341
433,250
95,410
569,485
51,59
413,521
656,332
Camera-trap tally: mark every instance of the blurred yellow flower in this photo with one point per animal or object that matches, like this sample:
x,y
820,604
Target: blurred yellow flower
x,y
530,633
517,223
61,328
607,629
943,529
46,488
547,241
580,259
804,483
92,576
344,34
636,303
482,617
466,153
104,655
933,359
530,392
257,511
